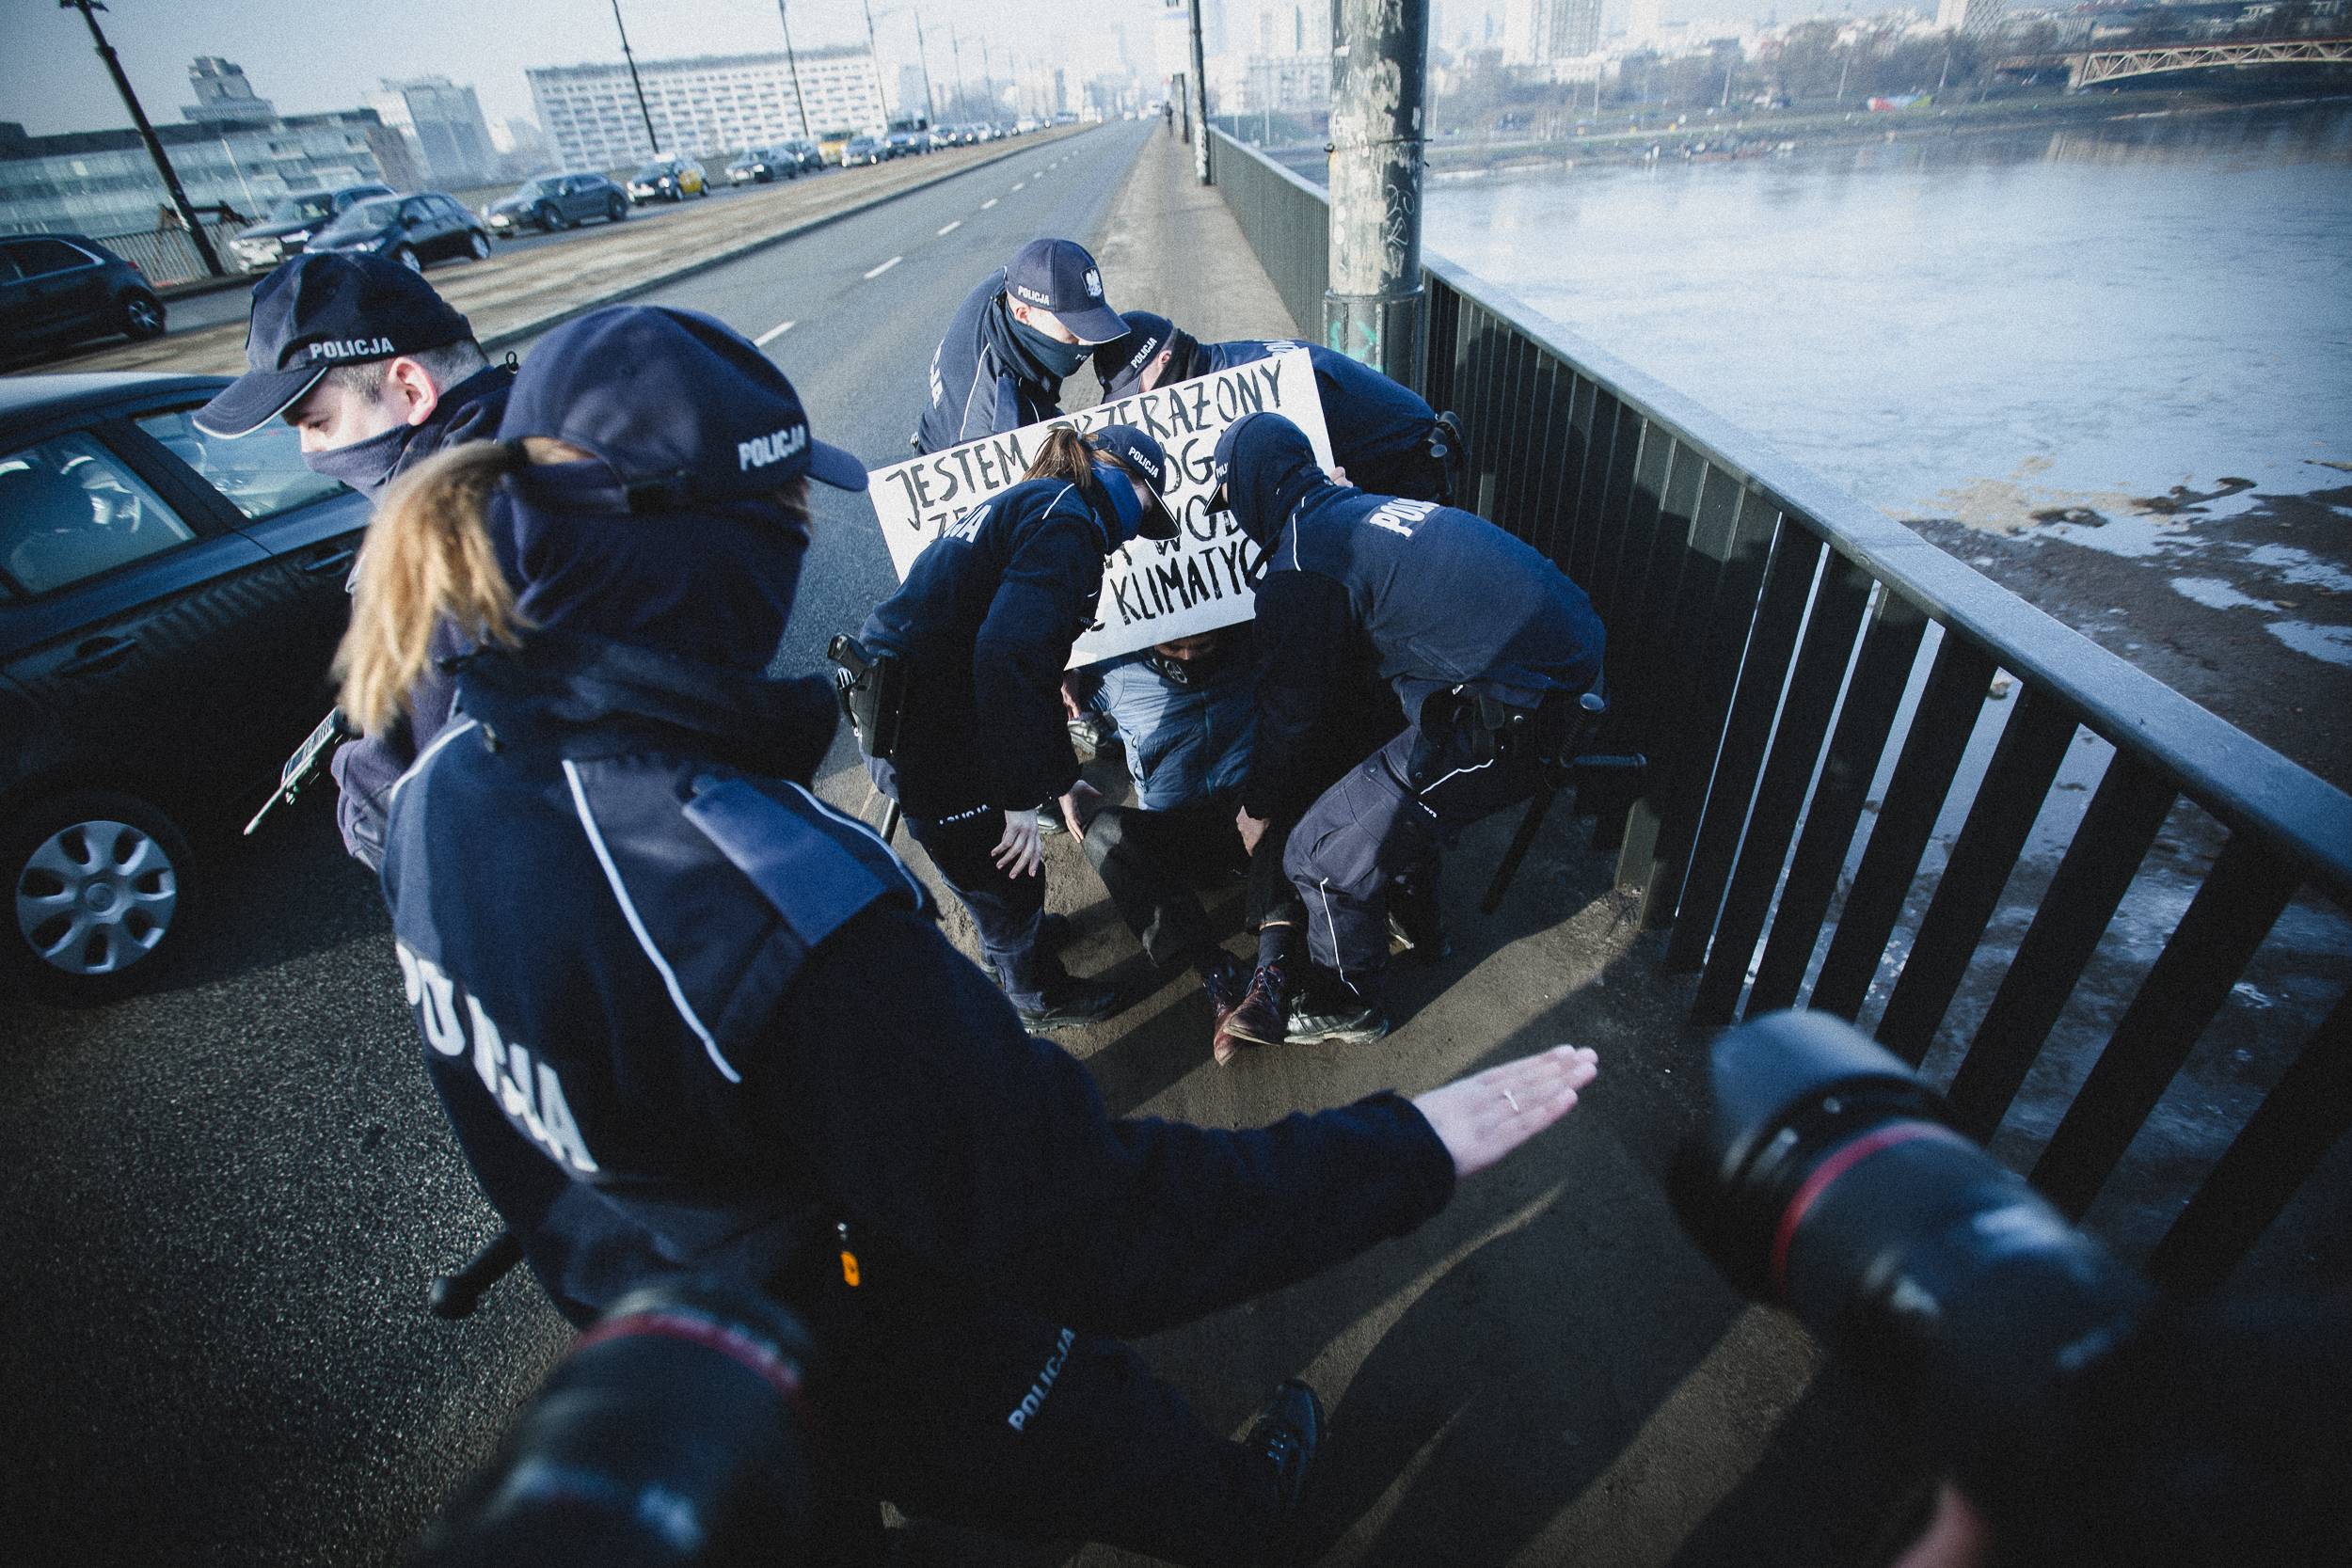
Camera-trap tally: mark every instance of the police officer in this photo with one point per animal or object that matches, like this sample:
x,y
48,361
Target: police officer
x,y
1487,646
985,622
689,1019
377,373
1013,342
1384,437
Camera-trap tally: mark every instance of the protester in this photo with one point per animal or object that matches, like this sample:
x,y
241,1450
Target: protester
x,y
687,1019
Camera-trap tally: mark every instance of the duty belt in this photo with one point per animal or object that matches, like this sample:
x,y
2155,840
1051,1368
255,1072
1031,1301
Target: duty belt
x,y
873,688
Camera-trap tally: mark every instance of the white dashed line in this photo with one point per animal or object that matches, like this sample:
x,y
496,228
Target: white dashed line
x,y
773,333
953,227
885,267
1023,187
985,205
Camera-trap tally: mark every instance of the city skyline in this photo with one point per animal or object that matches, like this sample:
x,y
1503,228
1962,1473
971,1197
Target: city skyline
x,y
51,81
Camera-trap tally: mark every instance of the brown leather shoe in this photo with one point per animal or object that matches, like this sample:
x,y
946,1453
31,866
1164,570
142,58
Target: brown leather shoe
x,y
1255,1020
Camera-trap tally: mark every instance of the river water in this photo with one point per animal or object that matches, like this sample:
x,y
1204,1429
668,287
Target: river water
x,y
2111,364
1976,327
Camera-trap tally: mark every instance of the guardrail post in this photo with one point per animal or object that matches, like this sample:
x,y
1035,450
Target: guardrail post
x,y
1379,89
1198,97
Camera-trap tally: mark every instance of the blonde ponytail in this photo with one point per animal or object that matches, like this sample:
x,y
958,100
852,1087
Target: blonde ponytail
x,y
1064,455
428,555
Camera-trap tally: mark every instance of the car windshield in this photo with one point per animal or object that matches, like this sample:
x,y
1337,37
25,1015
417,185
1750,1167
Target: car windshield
x,y
653,171
301,209
361,217
531,188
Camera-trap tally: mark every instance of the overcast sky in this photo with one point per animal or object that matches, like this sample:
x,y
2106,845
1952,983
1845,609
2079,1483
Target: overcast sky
x,y
308,55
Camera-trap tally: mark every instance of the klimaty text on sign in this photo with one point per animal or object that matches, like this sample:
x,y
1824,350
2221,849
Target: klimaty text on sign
x,y
1152,591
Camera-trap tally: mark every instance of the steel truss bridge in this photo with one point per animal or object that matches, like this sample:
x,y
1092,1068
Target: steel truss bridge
x,y
2093,66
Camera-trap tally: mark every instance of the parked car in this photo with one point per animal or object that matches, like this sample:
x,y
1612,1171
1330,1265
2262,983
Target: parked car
x,y
168,606
57,289
906,144
553,201
811,156
668,180
292,222
414,231
762,165
862,150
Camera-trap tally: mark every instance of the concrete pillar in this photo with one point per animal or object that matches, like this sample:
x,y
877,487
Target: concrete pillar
x,y
1379,94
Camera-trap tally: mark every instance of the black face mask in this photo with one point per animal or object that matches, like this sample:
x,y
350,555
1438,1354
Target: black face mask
x,y
1199,669
366,465
1060,359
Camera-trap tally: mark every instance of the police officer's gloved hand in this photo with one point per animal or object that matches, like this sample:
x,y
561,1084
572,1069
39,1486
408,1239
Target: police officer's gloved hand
x,y
1019,853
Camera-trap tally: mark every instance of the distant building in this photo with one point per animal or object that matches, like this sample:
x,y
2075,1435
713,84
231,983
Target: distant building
x,y
1539,32
702,106
913,102
223,96
102,183
1277,55
1973,18
445,121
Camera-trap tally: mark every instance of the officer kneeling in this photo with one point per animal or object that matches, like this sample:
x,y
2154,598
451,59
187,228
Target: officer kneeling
x,y
686,1018
1489,647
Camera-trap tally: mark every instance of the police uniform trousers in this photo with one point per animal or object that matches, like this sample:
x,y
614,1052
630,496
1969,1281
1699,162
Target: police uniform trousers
x,y
1005,910
999,1420
1151,862
1383,823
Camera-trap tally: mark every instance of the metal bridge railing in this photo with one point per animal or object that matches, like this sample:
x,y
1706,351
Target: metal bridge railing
x,y
1793,661
167,255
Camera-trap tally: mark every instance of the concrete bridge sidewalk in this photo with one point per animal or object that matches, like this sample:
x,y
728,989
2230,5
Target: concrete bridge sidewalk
x,y
1547,1373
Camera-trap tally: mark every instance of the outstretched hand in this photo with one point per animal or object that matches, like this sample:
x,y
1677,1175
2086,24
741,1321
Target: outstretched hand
x,y
1019,853
1484,1117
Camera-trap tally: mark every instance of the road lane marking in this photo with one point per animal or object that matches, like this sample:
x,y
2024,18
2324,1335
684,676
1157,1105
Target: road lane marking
x,y
985,205
885,267
1023,187
953,227
772,333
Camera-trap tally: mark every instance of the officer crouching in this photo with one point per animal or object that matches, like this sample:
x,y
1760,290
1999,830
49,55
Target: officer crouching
x,y
983,626
1489,647
686,1018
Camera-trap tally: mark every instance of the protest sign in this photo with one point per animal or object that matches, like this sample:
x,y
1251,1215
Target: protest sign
x,y
1151,590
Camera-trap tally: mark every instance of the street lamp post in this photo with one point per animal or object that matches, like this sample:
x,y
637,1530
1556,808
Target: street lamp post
x,y
923,59
873,54
633,79
792,64
197,236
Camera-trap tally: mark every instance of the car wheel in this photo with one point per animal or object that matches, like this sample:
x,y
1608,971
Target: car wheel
x,y
617,209
97,885
142,314
479,244
547,218
407,256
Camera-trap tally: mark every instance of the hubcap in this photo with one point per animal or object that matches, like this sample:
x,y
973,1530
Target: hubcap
x,y
96,897
142,314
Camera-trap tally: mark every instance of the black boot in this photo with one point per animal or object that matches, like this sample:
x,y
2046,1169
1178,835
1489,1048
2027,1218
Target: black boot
x,y
1284,1435
1069,1003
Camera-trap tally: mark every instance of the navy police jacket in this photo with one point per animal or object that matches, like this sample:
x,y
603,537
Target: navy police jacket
x,y
364,768
986,620
683,1016
982,381
1377,426
1433,596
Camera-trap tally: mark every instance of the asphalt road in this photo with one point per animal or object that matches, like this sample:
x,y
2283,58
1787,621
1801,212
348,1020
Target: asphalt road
x,y
230,1191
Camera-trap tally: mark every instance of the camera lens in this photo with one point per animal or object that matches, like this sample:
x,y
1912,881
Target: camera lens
x,y
1827,1179
669,1433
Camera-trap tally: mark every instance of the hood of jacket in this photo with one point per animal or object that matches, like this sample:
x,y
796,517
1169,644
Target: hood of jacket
x,y
1270,469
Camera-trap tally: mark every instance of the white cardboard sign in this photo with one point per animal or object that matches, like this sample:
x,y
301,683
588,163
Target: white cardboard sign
x,y
1152,591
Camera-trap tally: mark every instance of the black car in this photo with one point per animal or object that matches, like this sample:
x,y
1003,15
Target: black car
x,y
554,201
169,602
810,157
291,223
414,231
668,180
59,289
764,163
863,150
